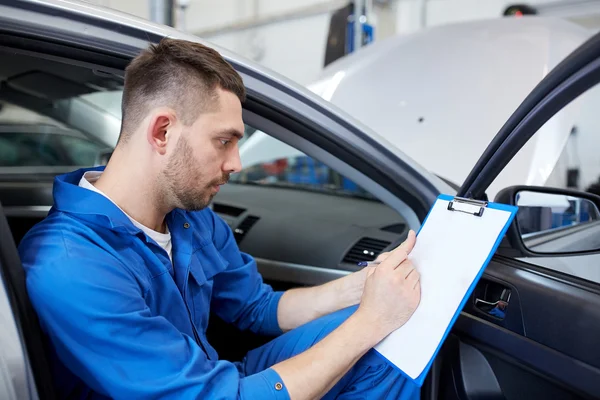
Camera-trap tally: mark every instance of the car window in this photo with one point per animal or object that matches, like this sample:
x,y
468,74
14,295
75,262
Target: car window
x,y
269,162
564,153
36,147
80,151
29,149
54,114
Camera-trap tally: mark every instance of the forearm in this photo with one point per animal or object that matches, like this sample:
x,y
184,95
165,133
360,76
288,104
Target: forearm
x,y
299,306
314,372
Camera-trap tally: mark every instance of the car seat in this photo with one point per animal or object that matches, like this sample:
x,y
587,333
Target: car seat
x,y
25,316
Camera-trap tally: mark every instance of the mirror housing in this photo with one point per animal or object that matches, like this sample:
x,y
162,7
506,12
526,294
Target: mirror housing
x,y
546,217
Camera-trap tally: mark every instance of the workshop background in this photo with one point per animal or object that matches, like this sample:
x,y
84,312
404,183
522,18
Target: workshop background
x,y
267,30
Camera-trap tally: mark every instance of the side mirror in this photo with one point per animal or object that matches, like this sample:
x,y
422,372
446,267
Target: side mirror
x,y
553,222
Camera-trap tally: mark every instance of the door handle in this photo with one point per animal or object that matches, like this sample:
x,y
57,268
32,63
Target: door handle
x,y
494,306
489,303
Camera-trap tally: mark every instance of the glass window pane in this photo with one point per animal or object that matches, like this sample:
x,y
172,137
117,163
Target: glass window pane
x,y
81,152
274,163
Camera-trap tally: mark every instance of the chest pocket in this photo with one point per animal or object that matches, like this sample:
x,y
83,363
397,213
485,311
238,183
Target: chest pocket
x,y
205,263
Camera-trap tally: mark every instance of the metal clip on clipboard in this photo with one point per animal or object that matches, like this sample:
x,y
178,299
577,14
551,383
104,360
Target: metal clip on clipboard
x,y
468,206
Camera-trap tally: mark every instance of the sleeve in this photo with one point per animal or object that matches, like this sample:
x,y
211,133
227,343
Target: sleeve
x,y
94,312
239,295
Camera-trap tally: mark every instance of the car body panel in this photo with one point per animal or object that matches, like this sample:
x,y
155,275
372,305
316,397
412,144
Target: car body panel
x,y
455,86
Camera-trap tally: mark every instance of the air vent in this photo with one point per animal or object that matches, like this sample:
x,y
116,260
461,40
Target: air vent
x,y
244,227
225,209
366,249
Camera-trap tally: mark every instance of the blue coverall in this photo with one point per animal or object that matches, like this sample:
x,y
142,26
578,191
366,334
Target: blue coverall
x,y
124,322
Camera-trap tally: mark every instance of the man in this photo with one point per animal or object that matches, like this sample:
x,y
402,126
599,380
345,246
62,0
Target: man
x,y
128,263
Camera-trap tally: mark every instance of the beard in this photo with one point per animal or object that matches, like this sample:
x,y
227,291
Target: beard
x,y
183,179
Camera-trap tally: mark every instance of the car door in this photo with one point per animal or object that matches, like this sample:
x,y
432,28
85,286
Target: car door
x,y
543,342
100,43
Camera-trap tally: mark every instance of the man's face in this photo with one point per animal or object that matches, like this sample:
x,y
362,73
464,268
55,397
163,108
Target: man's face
x,y
205,155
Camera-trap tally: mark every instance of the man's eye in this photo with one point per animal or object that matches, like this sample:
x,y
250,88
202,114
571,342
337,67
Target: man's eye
x,y
225,141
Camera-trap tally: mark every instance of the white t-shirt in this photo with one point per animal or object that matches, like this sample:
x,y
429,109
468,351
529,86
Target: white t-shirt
x,y
162,239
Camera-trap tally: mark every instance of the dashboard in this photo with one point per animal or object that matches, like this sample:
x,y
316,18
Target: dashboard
x,y
294,227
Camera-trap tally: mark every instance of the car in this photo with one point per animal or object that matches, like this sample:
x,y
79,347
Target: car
x,y
346,195
448,85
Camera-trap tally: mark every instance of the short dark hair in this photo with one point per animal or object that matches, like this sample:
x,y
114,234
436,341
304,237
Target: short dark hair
x,y
177,73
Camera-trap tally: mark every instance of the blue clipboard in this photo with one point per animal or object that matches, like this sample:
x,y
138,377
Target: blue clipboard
x,y
477,208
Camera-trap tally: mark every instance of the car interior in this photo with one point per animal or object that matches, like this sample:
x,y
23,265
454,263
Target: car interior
x,y
293,211
306,222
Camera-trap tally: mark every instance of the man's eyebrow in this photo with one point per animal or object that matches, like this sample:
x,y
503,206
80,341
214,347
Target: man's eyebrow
x,y
232,132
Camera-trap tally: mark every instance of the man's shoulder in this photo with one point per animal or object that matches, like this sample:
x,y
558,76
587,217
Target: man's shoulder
x,y
62,241
62,256
47,236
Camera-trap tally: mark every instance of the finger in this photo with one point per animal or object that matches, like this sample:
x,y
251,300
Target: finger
x,y
382,256
370,271
396,257
414,279
405,268
413,275
417,286
411,272
409,242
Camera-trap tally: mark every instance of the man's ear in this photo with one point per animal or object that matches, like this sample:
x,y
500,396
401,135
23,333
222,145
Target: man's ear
x,y
158,130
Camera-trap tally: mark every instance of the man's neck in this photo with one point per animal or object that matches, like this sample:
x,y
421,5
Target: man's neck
x,y
129,186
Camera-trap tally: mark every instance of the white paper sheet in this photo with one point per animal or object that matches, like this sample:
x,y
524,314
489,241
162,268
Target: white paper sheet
x,y
450,251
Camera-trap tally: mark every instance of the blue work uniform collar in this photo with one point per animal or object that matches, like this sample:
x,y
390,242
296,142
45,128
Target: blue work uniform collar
x,y
90,206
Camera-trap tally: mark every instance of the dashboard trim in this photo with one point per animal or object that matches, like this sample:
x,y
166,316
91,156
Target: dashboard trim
x,y
297,273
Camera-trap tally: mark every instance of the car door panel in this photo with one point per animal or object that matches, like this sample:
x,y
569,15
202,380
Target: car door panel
x,y
576,314
473,370
545,345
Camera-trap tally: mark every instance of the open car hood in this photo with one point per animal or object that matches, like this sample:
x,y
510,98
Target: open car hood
x,y
440,95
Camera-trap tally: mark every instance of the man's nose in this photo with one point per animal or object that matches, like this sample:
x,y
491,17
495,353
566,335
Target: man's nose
x,y
233,164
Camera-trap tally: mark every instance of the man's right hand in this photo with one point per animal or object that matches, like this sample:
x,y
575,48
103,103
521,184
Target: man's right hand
x,y
391,295
392,291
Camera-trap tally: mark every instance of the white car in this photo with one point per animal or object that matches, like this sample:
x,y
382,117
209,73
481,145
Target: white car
x,y
347,194
449,89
